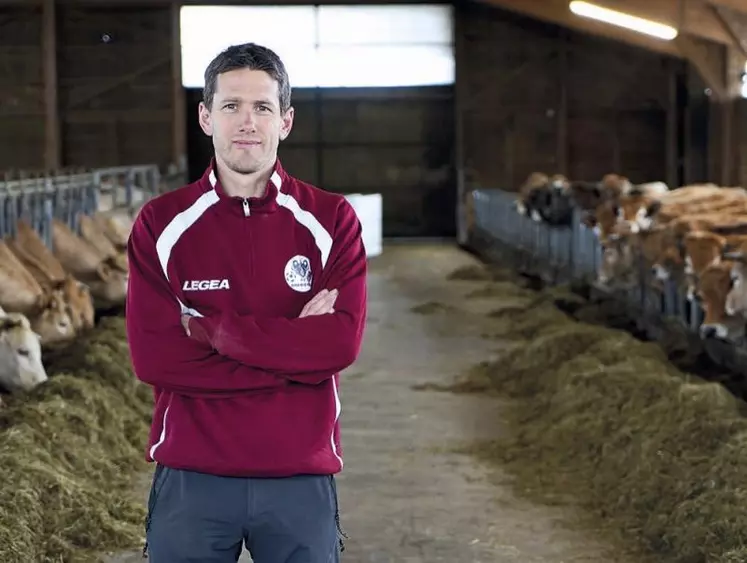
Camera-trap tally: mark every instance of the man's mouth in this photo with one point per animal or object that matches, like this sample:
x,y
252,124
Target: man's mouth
x,y
244,143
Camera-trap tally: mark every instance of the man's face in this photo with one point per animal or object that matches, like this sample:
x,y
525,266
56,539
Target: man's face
x,y
245,121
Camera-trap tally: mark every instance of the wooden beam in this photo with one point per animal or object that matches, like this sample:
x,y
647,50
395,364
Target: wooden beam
x,y
691,17
740,140
711,72
179,142
558,12
738,39
52,132
734,68
698,19
726,111
737,5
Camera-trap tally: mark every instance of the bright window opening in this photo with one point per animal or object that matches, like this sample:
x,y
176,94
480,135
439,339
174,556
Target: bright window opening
x,y
328,46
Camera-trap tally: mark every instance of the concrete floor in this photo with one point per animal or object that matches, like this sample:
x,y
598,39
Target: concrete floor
x,y
402,500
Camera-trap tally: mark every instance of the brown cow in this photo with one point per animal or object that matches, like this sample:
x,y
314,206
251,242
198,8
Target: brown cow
x,y
96,236
51,276
108,286
116,227
21,293
692,200
663,244
736,300
704,249
617,269
714,286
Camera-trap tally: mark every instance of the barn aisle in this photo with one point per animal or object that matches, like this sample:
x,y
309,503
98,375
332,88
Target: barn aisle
x,y
404,497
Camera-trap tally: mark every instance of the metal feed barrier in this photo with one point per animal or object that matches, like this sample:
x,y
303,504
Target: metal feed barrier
x,y
39,198
573,254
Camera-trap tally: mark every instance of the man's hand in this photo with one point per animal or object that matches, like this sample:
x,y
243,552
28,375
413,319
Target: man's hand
x,y
321,304
185,324
194,330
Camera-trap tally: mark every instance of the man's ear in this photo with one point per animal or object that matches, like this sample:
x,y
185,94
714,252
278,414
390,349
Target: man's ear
x,y
287,124
205,119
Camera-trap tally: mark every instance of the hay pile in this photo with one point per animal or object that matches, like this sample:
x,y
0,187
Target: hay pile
x,y
646,448
431,308
68,452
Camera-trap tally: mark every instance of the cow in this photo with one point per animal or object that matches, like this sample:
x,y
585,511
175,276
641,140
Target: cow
x,y
21,367
92,233
714,285
21,293
530,194
736,300
116,227
107,285
79,303
693,199
623,203
718,217
617,269
556,205
29,248
703,249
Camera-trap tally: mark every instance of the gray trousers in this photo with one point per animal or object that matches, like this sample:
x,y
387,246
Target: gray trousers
x,y
198,517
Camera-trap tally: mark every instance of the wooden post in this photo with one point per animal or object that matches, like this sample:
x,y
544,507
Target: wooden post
x,y
464,217
179,134
562,116
726,109
52,132
672,166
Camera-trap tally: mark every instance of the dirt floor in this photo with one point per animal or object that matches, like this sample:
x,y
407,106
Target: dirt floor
x,y
404,497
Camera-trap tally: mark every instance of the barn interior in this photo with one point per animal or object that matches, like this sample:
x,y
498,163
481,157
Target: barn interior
x,y
553,202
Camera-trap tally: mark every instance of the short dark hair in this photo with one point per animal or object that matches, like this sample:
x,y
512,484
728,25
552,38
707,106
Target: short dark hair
x,y
254,57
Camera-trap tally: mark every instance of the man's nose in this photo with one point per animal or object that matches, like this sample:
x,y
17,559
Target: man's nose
x,y
248,121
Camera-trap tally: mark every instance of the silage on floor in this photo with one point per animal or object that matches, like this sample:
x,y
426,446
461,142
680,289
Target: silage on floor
x,y
68,453
608,417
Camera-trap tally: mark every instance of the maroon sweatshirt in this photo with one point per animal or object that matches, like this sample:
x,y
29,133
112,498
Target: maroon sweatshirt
x,y
254,390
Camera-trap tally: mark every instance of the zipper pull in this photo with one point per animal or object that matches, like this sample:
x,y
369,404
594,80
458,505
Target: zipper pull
x,y
246,208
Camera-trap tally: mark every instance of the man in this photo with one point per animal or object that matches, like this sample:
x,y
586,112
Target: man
x,y
244,362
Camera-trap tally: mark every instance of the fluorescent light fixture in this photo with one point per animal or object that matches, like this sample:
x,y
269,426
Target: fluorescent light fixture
x,y
620,19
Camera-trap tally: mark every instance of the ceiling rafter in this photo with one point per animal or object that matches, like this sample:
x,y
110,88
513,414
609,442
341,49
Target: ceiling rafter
x,y
736,5
703,26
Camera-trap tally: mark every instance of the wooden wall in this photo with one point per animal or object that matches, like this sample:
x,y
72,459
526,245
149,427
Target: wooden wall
x,y
533,96
113,85
21,88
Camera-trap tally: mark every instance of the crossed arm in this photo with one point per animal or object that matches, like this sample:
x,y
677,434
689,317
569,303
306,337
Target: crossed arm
x,y
229,353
